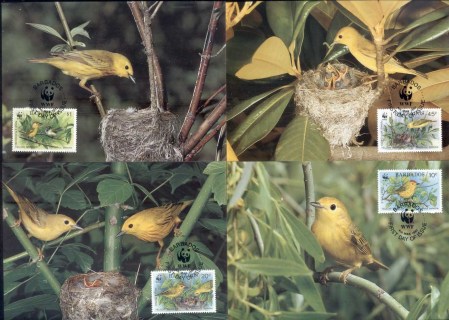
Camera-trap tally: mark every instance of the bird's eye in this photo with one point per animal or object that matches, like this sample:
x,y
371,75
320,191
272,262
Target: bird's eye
x,y
66,221
126,67
130,225
333,207
340,36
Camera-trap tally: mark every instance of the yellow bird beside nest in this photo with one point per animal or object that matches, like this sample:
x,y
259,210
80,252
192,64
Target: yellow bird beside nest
x,y
90,64
155,224
38,222
365,52
340,238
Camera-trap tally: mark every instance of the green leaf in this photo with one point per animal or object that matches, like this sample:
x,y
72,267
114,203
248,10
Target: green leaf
x,y
443,304
60,48
302,141
74,199
218,172
51,189
261,121
273,267
111,191
47,301
47,29
209,264
307,315
217,167
416,310
83,260
215,225
424,34
300,22
80,30
148,194
242,106
336,52
303,235
281,18
309,290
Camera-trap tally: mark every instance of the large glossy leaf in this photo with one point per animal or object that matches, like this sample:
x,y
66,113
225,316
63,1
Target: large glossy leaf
x,y
303,236
425,58
242,106
300,23
261,121
424,34
436,87
273,267
281,18
302,141
270,59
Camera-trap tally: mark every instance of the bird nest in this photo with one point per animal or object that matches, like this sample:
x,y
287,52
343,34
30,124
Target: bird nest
x,y
140,135
337,99
102,295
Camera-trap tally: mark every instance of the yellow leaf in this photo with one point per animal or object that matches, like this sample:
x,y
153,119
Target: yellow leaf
x,y
436,87
270,59
230,154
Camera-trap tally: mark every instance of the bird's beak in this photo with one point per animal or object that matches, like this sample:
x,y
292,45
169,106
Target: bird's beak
x,y
132,78
119,234
316,204
77,227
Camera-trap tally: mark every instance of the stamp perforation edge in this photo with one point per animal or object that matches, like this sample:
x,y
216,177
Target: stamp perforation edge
x,y
51,150
153,296
380,147
439,206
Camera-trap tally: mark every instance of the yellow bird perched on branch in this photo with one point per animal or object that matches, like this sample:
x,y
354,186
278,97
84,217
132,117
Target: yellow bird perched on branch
x,y
90,64
340,238
38,222
155,224
204,288
365,52
174,291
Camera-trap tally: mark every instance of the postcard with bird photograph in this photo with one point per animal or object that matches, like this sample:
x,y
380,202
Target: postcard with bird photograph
x,y
78,234
308,240
305,78
147,79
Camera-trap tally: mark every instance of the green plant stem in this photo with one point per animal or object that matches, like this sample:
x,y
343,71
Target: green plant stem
x,y
112,244
65,25
369,287
310,212
32,251
49,244
184,231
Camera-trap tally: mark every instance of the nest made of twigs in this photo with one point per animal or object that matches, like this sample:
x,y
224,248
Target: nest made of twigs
x,y
335,97
102,295
140,135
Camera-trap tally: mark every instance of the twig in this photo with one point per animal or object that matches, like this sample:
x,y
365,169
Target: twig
x,y
369,287
310,212
97,102
202,72
220,90
205,140
205,126
65,25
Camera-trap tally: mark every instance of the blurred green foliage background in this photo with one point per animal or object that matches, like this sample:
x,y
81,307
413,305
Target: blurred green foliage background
x,y
274,188
179,31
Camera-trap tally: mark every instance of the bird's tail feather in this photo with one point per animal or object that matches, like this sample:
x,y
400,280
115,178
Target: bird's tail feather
x,y
376,265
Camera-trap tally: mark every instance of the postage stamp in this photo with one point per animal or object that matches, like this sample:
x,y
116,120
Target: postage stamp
x,y
409,191
44,130
406,130
183,291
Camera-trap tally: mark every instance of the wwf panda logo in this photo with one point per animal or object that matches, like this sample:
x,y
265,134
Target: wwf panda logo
x,y
184,255
406,93
47,93
407,217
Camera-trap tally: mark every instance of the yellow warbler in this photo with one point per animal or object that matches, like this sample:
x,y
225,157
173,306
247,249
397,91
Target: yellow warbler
x,y
34,129
419,123
90,64
365,52
154,224
39,223
407,190
340,238
174,291
205,287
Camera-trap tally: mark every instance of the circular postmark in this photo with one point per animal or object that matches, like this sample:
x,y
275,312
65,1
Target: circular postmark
x,y
47,94
408,92
407,225
184,255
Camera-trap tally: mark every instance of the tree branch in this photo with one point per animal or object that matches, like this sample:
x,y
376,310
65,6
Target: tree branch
x,y
369,287
205,140
310,212
202,72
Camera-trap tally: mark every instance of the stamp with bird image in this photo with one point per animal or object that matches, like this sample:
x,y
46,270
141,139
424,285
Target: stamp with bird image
x,y
183,291
402,190
44,130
